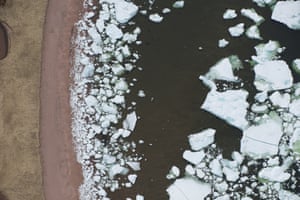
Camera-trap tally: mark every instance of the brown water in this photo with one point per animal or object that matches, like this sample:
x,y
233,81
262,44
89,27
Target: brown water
x,y
171,65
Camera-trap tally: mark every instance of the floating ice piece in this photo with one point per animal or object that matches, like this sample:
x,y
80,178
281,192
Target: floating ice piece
x,y
284,195
230,105
113,32
173,173
288,13
202,139
216,168
189,170
272,75
222,43
178,4
296,65
253,33
295,107
139,197
141,93
91,101
259,108
237,30
136,166
266,51
231,174
117,169
295,141
121,85
88,71
224,197
252,14
274,174
262,140
156,18
188,188
125,11
280,100
229,14
263,3
166,10
93,33
193,157
132,178
130,121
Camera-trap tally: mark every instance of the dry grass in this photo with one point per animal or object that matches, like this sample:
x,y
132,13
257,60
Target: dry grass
x,y
20,167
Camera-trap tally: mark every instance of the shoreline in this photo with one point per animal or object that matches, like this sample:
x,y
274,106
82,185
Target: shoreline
x,y
62,174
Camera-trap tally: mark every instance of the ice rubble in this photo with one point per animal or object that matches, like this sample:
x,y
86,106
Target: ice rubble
x,y
288,13
98,99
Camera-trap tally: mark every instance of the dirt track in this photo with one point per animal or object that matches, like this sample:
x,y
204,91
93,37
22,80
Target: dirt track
x,y
61,172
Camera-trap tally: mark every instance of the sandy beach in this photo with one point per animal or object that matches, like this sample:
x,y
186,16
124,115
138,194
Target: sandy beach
x,y
61,172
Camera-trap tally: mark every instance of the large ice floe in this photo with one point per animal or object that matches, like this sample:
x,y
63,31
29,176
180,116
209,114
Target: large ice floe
x,y
103,55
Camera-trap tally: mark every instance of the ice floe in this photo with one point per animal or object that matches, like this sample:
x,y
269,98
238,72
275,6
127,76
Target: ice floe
x,y
253,33
252,14
229,14
156,18
178,4
202,139
237,30
222,43
288,13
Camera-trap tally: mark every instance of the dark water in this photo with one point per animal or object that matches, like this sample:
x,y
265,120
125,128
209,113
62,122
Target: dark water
x,y
171,65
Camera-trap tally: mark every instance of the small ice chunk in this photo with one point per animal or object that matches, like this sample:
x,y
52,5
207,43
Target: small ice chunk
x,y
113,32
173,173
266,51
202,139
215,167
252,14
88,71
295,141
231,174
121,85
237,30
193,157
221,187
222,43
139,197
263,3
130,121
188,188
166,10
132,178
272,75
295,107
223,197
230,105
274,174
136,166
178,4
284,195
280,100
296,65
189,170
261,96
229,14
91,101
141,93
117,169
253,33
156,18
288,13
261,141
257,108
125,11
117,69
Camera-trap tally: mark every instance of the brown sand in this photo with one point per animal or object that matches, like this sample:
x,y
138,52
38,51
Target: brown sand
x,y
61,172
20,168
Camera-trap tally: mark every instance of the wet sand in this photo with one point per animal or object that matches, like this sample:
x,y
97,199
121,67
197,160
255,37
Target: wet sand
x,y
61,173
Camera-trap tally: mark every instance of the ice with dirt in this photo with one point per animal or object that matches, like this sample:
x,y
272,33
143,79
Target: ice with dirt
x,y
261,141
188,188
288,13
272,75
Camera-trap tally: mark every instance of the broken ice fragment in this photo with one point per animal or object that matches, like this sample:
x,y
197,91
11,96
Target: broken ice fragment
x,y
113,32
193,157
125,11
274,174
230,105
139,197
173,173
252,14
295,107
296,65
231,174
253,33
215,167
280,100
178,4
188,188
136,166
263,3
266,51
202,139
117,169
229,14
222,43
261,141
288,13
130,121
132,178
295,141
166,10
156,18
272,75
91,101
237,30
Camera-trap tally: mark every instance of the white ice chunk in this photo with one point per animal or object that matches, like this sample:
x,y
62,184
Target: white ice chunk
x,y
132,178
253,33
202,139
274,174
288,13
295,141
284,195
178,4
125,11
88,71
121,85
222,43
237,30
266,52
114,32
188,188
173,173
136,166
166,10
117,169
231,174
280,100
215,167
193,157
296,65
224,197
295,107
156,18
263,3
139,197
252,14
230,105
94,34
261,141
272,75
91,100
229,14
130,121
